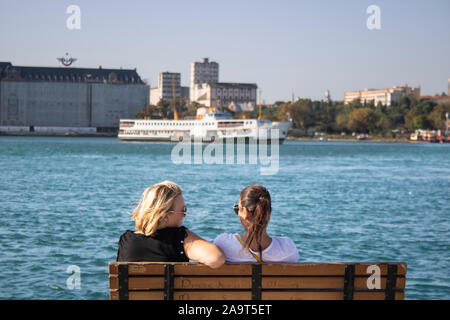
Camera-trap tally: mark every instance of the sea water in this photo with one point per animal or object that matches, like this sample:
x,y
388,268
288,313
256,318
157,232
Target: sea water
x,y
65,201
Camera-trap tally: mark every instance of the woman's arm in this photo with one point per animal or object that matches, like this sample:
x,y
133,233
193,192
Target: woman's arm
x,y
203,251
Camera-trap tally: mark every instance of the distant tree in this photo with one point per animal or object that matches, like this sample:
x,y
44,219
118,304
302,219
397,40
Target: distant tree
x,y
420,122
283,112
355,104
406,103
384,124
270,113
409,118
327,119
302,114
150,111
437,117
341,122
362,120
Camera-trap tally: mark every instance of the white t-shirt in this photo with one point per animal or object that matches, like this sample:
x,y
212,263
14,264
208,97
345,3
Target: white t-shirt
x,y
281,249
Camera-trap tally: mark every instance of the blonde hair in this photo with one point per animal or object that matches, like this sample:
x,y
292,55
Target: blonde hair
x,y
155,204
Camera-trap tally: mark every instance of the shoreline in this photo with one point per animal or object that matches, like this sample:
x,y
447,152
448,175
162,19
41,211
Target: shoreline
x,y
352,139
43,134
112,135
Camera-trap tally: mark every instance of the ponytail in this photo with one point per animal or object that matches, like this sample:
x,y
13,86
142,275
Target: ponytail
x,y
256,199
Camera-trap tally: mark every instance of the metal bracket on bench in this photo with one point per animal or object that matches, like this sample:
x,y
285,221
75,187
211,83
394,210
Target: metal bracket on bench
x,y
256,281
391,282
349,281
123,281
168,281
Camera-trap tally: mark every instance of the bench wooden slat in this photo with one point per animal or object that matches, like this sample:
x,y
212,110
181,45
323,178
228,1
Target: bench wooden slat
x,y
146,295
312,269
232,270
245,283
319,282
212,283
139,268
302,283
212,295
316,269
361,283
295,295
113,295
140,283
113,282
361,268
376,296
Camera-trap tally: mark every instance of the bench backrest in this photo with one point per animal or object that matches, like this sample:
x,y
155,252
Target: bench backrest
x,y
262,281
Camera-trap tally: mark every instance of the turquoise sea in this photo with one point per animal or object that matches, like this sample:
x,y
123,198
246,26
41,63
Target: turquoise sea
x,y
65,201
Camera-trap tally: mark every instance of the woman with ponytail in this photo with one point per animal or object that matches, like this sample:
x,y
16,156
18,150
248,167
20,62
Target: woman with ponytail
x,y
255,245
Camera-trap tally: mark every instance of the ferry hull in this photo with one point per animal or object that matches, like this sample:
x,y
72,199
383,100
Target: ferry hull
x,y
245,140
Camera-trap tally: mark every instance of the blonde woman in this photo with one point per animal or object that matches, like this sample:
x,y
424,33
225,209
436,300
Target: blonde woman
x,y
160,235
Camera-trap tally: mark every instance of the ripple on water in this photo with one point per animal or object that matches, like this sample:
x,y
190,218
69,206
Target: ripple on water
x,y
67,202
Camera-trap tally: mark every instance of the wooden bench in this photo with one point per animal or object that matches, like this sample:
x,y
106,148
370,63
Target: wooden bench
x,y
261,281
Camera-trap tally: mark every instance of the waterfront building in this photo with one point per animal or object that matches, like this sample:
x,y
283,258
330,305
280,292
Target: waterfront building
x,y
436,99
208,91
202,72
234,96
168,82
383,96
49,97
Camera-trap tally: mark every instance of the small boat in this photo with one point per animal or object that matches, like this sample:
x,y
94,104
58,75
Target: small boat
x,y
428,136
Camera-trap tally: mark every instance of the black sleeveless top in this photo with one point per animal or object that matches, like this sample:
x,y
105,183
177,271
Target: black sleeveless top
x,y
166,245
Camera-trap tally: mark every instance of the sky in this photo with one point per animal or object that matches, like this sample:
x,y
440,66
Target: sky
x,y
285,47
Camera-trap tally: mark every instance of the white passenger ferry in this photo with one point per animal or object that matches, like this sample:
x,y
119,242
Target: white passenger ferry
x,y
208,126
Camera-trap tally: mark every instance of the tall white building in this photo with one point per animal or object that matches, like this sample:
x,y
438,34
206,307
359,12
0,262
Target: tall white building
x,y
203,72
168,82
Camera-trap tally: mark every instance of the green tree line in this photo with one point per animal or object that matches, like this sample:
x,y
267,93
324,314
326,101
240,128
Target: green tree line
x,y
359,117
407,113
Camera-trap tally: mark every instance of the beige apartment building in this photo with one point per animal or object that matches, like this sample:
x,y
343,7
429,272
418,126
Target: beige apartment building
x,y
220,95
385,96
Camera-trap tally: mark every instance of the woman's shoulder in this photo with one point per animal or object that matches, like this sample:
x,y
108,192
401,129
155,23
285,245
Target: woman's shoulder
x,y
172,230
284,249
127,235
224,237
285,242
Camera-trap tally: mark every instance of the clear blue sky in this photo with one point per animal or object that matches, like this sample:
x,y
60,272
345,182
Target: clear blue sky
x,y
303,47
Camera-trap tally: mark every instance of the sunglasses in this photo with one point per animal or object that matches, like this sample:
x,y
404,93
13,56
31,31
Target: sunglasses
x,y
236,209
184,211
